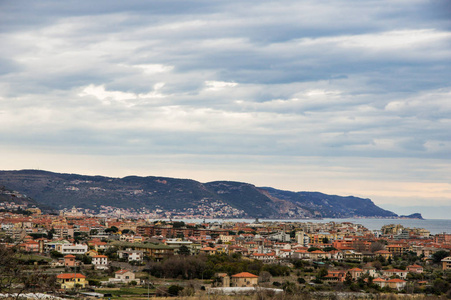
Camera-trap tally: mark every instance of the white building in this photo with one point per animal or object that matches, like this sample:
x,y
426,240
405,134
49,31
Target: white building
x,y
73,249
100,262
131,255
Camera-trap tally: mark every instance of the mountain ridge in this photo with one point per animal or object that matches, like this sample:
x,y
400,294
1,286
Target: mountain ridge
x,y
64,190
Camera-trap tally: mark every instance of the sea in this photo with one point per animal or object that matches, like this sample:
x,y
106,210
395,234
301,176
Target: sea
x,y
435,226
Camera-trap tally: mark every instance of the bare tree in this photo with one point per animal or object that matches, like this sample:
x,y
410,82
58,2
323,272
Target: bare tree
x,y
376,246
16,277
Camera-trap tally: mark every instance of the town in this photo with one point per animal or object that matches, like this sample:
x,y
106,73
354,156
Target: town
x,y
86,255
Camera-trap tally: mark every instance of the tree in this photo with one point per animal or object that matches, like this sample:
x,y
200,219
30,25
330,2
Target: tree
x,y
313,249
265,276
377,246
178,224
50,233
348,278
174,290
329,248
439,255
184,250
322,273
15,277
112,229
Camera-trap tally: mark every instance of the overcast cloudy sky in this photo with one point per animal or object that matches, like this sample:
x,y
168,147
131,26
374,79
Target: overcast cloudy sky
x,y
346,97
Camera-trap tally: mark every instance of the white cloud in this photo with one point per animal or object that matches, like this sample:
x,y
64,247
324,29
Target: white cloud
x,y
218,85
154,68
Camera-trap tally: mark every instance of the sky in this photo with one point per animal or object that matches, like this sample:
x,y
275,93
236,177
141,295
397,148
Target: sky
x,y
342,97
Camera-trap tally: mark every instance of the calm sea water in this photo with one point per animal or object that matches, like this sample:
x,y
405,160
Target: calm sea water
x,y
433,225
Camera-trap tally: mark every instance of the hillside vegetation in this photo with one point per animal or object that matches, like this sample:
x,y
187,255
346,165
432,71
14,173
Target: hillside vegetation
x,y
66,190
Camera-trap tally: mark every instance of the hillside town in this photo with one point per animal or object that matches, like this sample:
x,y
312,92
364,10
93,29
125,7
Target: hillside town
x,y
92,256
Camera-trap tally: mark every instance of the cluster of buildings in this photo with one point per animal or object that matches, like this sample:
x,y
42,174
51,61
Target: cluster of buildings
x,y
72,234
205,209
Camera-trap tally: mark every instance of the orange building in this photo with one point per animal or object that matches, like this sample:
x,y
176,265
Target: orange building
x,y
69,260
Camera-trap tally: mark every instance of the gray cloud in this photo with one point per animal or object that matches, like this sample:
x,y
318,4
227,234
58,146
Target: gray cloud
x,y
280,80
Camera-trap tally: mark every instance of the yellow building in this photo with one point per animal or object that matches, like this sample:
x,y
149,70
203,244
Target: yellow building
x,y
396,250
446,263
69,280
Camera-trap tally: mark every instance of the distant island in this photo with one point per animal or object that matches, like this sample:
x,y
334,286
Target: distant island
x,y
177,198
412,216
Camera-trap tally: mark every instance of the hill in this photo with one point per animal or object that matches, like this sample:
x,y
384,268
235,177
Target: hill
x,y
8,196
232,199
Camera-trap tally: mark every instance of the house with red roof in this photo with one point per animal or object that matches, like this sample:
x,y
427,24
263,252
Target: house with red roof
x,y
69,260
355,273
415,268
70,280
380,282
244,279
396,283
208,250
335,276
100,262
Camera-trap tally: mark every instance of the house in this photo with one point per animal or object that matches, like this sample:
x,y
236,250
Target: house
x,y
384,253
70,280
30,246
415,268
131,255
396,283
100,262
124,276
355,273
265,257
446,263
336,255
301,253
69,260
223,280
395,272
244,279
352,255
335,276
318,255
371,271
396,249
208,250
380,282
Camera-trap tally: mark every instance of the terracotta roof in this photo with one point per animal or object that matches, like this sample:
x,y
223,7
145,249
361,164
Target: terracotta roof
x,y
70,275
396,280
208,249
122,271
318,251
69,256
394,271
244,275
378,280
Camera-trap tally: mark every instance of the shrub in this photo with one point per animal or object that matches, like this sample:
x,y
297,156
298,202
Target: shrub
x,y
174,290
